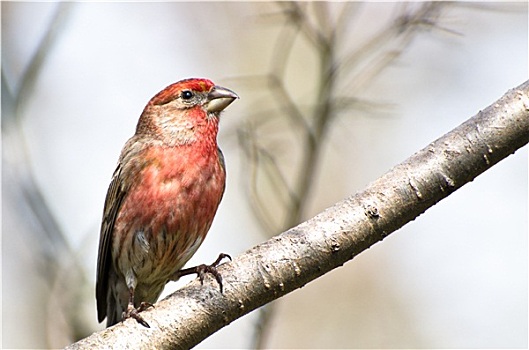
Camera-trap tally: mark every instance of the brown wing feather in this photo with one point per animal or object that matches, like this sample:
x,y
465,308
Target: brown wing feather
x,y
113,201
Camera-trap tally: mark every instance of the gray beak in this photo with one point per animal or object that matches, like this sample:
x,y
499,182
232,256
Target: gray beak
x,y
220,98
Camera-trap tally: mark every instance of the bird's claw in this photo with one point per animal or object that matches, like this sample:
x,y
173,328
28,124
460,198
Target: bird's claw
x,y
134,313
202,269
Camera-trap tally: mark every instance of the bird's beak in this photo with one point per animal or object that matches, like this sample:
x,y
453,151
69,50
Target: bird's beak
x,y
220,98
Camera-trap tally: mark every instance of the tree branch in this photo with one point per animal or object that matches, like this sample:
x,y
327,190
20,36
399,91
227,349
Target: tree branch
x,y
295,257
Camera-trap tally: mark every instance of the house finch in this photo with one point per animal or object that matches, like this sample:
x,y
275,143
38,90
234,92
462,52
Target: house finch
x,y
164,193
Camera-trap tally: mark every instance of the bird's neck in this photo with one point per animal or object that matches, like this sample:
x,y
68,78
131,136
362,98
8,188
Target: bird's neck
x,y
174,128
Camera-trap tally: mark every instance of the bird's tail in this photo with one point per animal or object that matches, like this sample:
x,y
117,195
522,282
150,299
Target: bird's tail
x,y
117,301
113,314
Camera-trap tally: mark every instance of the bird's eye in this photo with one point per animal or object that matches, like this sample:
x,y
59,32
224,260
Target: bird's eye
x,y
186,94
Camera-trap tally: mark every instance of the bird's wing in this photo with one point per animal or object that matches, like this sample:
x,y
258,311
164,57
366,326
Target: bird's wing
x,y
115,195
223,166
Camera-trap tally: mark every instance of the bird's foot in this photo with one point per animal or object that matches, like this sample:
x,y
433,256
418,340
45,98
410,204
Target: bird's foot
x,y
201,270
134,313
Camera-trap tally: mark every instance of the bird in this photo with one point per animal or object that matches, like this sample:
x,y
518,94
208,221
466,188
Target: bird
x,y
163,196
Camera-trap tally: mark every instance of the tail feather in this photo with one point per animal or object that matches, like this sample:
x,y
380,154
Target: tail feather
x,y
113,314
116,301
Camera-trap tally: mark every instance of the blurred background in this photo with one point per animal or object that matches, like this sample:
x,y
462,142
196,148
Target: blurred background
x,y
332,96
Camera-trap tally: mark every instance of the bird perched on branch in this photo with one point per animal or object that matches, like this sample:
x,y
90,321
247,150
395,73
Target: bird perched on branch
x,y
164,194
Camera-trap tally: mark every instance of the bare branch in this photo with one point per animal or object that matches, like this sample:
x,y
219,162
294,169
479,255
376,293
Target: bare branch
x,y
323,28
